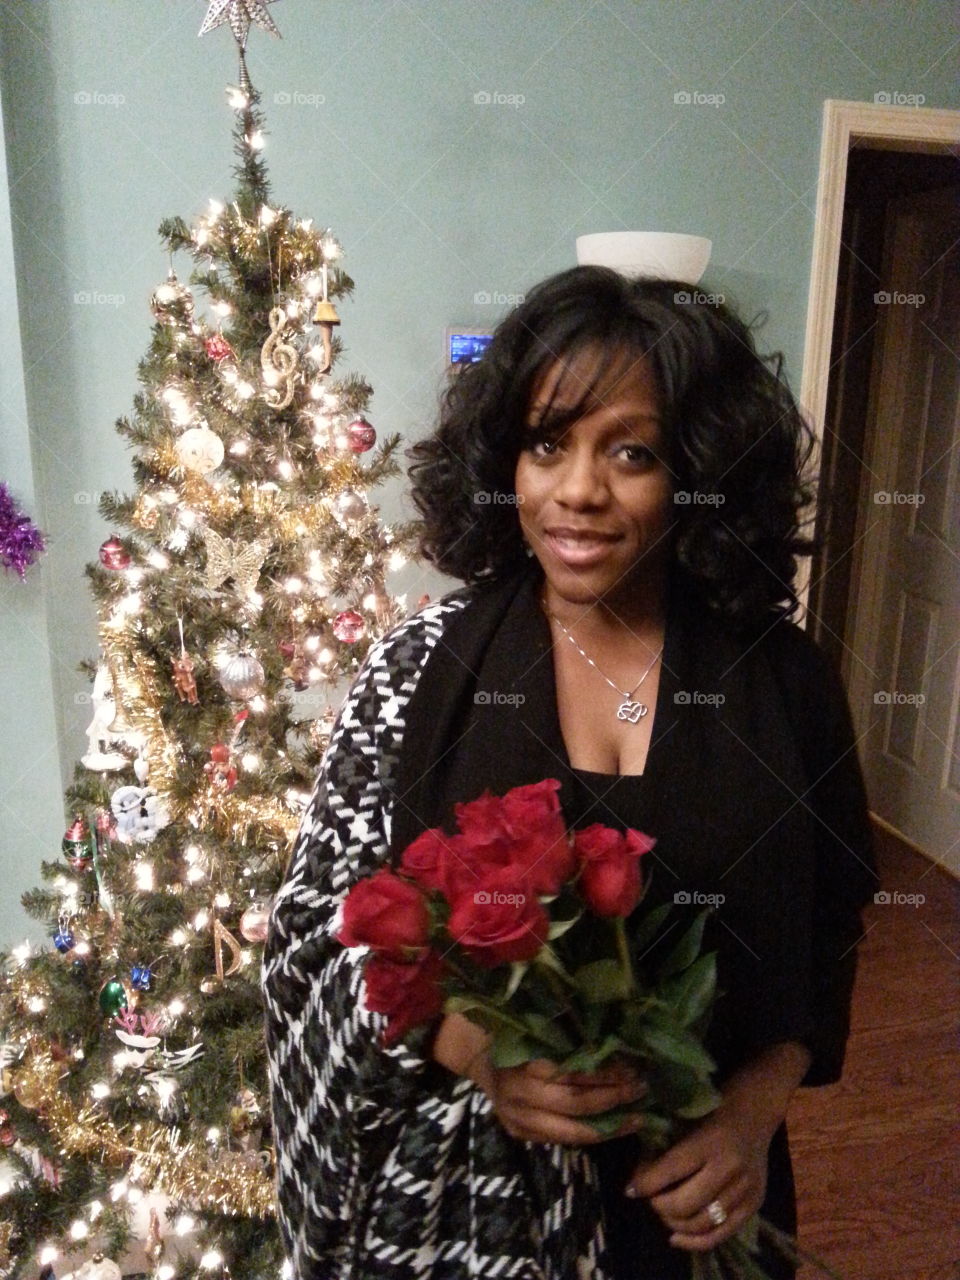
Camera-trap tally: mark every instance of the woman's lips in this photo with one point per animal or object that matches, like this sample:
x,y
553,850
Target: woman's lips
x,y
579,550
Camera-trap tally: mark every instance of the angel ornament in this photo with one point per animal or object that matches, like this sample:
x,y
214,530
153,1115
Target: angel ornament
x,y
98,735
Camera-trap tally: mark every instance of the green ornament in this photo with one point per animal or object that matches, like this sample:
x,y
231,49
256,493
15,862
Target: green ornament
x,y
113,997
77,844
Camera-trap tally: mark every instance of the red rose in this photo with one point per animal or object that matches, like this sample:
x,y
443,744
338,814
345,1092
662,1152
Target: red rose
x,y
499,923
610,878
523,831
438,861
385,912
408,993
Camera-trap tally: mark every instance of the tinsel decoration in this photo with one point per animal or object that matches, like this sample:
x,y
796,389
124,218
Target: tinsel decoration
x,y
6,1231
21,542
225,1181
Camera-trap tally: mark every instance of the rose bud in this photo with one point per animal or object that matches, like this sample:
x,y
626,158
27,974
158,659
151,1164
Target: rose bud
x,y
610,880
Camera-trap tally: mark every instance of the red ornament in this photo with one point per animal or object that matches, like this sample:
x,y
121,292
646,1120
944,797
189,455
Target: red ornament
x,y
7,1135
106,824
222,774
218,348
361,436
348,626
113,554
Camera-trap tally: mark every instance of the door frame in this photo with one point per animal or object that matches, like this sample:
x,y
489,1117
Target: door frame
x,y
845,123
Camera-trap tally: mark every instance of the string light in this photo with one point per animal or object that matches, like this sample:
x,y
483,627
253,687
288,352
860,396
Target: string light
x,y
176,1007
79,1230
184,1224
250,762
240,448
268,216
211,1259
101,1090
255,140
201,919
157,559
48,1255
143,873
285,468
238,100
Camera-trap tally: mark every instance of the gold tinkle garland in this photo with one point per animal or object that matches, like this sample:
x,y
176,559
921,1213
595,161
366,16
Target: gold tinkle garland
x,y
228,1181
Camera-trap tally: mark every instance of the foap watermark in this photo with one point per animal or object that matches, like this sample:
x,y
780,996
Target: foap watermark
x,y
495,898
883,298
297,98
897,498
94,98
697,698
694,98
494,698
896,698
694,898
498,99
483,298
497,498
895,898
696,297
97,298
893,98
697,498
84,498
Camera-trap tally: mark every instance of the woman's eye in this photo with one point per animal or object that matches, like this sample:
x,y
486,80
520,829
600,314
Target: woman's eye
x,y
638,454
543,448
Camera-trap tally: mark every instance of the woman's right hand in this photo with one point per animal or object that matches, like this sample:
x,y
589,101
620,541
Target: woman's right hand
x,y
536,1102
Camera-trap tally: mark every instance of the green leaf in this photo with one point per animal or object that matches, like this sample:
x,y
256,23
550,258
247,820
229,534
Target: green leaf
x,y
649,927
559,927
511,1049
686,950
705,1099
546,1030
602,981
589,1057
517,970
665,1046
690,993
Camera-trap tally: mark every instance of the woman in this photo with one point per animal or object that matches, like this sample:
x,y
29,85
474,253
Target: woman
x,y
618,483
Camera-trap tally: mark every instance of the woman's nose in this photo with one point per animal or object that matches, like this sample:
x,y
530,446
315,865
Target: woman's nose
x,y
581,481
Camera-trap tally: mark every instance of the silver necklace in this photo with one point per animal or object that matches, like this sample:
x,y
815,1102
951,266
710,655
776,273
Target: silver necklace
x,y
628,709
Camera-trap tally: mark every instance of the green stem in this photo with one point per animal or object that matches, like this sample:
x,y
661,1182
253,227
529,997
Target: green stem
x,y
623,954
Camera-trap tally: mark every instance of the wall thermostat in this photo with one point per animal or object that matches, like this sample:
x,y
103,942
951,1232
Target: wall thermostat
x,y
466,346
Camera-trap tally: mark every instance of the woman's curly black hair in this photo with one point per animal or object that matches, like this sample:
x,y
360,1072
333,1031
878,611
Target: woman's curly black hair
x,y
732,427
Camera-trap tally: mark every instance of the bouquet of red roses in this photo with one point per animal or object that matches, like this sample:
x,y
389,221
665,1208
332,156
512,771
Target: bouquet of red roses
x,y
520,925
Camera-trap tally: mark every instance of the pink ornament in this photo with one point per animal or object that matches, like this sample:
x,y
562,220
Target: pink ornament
x,y
361,436
348,626
113,554
218,348
254,921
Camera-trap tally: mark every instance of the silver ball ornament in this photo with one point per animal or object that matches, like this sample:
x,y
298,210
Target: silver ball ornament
x,y
242,676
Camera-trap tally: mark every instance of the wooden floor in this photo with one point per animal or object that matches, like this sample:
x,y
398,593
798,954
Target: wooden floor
x,y
876,1155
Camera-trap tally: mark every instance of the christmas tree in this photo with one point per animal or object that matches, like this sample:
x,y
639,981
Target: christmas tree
x,y
242,586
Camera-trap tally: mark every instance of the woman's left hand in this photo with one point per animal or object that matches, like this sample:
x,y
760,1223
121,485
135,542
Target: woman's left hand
x,y
720,1162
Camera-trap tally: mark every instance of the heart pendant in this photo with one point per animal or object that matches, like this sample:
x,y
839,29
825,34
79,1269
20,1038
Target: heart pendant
x,y
632,711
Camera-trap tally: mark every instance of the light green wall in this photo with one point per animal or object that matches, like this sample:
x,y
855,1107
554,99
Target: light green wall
x,y
436,198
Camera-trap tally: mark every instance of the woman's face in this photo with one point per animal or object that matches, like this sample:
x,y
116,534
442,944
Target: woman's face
x,y
594,493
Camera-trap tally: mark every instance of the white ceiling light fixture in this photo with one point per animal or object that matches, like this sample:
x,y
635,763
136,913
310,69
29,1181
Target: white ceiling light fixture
x,y
666,255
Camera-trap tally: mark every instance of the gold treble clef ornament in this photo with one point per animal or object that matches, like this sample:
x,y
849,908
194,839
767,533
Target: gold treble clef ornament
x,y
278,359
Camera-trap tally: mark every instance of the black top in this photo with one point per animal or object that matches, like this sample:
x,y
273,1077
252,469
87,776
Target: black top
x,y
636,1237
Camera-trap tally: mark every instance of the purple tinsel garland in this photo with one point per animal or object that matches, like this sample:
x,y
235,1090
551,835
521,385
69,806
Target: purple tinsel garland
x,y
21,542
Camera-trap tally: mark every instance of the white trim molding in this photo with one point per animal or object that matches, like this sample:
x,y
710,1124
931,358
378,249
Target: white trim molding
x,y
844,123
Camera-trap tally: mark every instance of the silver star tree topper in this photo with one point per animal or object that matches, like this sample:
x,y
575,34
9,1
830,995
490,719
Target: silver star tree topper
x,y
239,13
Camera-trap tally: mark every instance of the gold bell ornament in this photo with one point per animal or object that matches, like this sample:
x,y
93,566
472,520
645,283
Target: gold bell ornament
x,y
326,317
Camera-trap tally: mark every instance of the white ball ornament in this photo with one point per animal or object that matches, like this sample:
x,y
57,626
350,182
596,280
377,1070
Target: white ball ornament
x,y
200,450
